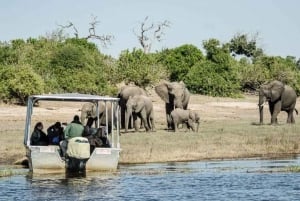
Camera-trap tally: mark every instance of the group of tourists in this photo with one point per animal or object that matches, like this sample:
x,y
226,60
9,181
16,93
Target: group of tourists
x,y
54,135
57,135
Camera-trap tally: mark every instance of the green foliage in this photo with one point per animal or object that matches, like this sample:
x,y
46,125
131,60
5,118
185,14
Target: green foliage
x,y
267,68
139,68
206,78
240,44
82,42
217,75
19,82
180,60
69,56
252,76
59,64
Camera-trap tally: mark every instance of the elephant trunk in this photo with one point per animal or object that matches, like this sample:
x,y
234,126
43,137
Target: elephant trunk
x,y
178,104
261,109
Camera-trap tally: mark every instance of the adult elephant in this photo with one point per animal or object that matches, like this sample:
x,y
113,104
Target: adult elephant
x,y
89,110
124,95
140,106
175,95
188,117
280,98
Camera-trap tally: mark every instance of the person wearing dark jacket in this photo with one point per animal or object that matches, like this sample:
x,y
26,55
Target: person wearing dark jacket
x,y
55,133
38,137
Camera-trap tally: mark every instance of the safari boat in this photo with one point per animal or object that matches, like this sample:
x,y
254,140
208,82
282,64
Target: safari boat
x,y
44,159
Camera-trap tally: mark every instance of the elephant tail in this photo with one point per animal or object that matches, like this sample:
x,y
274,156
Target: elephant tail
x,y
296,111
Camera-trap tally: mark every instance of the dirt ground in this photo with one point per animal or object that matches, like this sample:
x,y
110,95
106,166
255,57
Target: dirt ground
x,y
211,109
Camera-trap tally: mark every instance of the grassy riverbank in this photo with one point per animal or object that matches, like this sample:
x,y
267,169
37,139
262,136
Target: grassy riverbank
x,y
228,130
221,141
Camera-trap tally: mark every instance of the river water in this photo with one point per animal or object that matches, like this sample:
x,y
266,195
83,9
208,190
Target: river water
x,y
251,179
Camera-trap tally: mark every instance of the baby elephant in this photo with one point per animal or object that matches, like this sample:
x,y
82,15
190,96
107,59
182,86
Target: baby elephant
x,y
189,117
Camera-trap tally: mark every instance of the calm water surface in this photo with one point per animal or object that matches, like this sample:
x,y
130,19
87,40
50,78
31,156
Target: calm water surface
x,y
211,180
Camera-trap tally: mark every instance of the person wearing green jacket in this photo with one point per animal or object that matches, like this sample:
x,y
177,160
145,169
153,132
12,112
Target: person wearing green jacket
x,y
73,129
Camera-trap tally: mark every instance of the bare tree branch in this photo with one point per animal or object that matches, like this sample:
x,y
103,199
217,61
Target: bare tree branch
x,y
70,25
105,40
154,30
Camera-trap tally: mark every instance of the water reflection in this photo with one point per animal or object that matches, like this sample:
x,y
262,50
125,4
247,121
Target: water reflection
x,y
208,180
72,186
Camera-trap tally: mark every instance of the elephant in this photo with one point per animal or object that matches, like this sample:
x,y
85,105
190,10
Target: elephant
x,y
124,94
175,95
280,98
88,110
140,106
181,116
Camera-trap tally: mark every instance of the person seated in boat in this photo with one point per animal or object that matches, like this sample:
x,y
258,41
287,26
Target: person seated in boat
x,y
38,137
73,129
55,133
88,129
91,134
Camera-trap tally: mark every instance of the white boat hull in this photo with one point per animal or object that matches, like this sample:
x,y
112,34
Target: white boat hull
x,y
46,159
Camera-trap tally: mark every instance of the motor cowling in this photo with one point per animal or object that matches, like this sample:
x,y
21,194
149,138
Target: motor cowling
x,y
78,147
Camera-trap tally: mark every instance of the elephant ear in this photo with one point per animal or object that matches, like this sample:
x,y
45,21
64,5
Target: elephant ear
x,y
162,91
276,89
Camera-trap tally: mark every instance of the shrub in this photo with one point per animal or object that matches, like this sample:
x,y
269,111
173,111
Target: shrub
x,y
205,78
180,60
139,68
19,82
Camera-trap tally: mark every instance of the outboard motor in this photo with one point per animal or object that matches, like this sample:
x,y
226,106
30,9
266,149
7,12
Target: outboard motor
x,y
78,152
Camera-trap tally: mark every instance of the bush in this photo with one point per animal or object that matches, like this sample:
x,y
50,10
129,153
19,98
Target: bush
x,y
205,78
267,68
180,60
19,82
139,68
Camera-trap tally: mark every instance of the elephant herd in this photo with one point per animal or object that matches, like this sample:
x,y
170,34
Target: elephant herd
x,y
136,105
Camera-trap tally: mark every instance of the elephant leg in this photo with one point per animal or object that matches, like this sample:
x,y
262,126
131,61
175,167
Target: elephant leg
x,y
151,120
271,109
136,122
175,124
169,109
275,111
290,118
122,112
169,121
143,117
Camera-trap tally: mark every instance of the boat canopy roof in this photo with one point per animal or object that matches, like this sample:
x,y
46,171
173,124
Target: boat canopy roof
x,y
71,97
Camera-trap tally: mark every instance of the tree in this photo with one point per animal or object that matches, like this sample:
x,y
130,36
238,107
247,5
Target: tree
x,y
18,82
148,34
240,44
140,68
180,60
